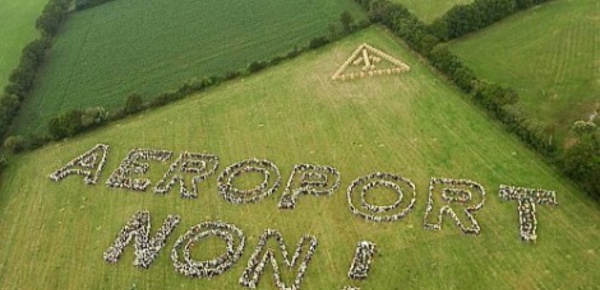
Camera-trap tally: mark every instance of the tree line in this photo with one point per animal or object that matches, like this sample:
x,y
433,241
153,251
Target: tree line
x,y
76,121
466,18
580,162
22,78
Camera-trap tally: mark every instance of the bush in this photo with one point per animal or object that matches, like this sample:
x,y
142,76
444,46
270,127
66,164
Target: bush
x,y
3,162
9,105
85,4
581,162
133,104
347,21
92,117
14,144
256,66
73,122
229,75
318,42
293,53
584,127
36,141
53,15
65,125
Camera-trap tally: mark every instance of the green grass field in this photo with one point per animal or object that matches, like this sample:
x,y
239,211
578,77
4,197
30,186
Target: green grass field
x,y
106,53
429,10
412,124
555,66
17,21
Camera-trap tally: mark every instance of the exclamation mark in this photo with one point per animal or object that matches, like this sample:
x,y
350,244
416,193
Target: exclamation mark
x,y
361,263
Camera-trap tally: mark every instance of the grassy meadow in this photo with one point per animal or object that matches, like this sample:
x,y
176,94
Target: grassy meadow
x,y
412,124
17,28
429,10
108,52
555,66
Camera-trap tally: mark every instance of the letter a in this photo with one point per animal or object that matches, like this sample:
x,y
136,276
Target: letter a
x,y
88,164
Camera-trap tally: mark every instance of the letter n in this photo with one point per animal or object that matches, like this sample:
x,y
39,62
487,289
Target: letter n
x,y
264,254
145,248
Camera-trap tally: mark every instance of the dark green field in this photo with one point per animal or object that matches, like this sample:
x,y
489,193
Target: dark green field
x,y
412,124
108,52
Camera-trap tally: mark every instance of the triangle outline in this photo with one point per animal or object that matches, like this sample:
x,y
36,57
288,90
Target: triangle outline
x,y
361,54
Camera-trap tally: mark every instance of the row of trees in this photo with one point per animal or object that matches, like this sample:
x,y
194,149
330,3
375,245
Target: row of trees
x,y
73,122
463,19
22,78
76,121
458,21
581,161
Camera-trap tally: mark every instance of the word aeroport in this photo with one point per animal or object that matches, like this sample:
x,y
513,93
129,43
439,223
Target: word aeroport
x,y
460,199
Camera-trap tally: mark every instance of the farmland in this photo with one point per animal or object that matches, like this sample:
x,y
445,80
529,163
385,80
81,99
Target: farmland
x,y
412,124
554,66
429,10
108,52
17,20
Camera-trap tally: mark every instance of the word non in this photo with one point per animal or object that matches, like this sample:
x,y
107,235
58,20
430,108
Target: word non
x,y
146,250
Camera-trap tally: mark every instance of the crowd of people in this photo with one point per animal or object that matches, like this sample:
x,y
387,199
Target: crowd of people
x,y
244,196
454,191
540,196
527,219
121,177
145,248
363,257
200,164
214,267
527,198
370,56
312,179
87,161
259,258
369,211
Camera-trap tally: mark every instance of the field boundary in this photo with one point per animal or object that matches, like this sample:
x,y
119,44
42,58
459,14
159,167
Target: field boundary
x,y
22,78
76,121
500,102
